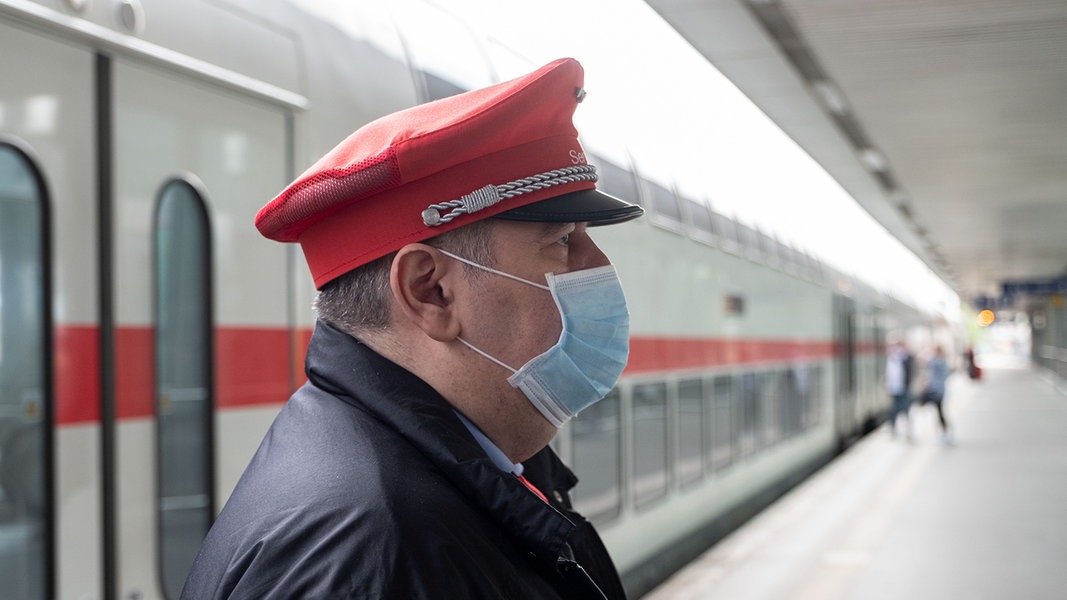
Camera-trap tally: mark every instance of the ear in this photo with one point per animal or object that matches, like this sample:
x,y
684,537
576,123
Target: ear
x,y
421,279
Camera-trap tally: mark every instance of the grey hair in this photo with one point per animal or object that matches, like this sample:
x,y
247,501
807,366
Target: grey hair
x,y
359,301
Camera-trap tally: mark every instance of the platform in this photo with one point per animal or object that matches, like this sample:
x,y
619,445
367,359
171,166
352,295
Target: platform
x,y
982,518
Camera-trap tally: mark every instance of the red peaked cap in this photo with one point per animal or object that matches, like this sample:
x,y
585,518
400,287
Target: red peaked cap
x,y
372,194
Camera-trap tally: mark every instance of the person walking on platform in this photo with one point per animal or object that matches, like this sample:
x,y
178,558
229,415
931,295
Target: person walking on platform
x,y
936,374
898,372
464,315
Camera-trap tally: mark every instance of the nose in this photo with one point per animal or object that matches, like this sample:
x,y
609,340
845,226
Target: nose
x,y
588,255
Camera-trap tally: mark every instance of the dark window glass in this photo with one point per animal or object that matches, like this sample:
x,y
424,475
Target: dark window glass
x,y
650,441
750,414
24,508
809,382
597,447
723,422
183,378
791,407
770,417
690,430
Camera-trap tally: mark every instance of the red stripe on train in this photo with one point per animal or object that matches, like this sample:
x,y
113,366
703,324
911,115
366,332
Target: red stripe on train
x,y
77,374
253,366
262,366
652,354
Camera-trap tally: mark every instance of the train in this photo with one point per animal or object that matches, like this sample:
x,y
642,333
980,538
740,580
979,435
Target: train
x,y
149,335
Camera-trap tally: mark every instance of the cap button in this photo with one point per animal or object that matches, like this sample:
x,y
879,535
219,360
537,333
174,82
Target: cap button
x,y
431,217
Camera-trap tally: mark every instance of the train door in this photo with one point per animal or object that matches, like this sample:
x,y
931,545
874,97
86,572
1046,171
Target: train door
x,y
845,392
49,376
200,304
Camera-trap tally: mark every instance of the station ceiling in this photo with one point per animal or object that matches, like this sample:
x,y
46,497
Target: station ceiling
x,y
945,119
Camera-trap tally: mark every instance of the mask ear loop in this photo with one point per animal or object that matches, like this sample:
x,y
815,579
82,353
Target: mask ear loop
x,y
472,347
494,271
502,274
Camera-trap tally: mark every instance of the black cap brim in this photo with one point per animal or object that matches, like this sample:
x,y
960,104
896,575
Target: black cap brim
x,y
584,206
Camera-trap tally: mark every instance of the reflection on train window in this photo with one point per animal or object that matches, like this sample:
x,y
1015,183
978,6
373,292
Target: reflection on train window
x,y
690,430
597,448
723,431
183,378
24,552
650,441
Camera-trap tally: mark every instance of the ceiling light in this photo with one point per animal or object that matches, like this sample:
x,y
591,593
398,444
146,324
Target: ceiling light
x,y
873,160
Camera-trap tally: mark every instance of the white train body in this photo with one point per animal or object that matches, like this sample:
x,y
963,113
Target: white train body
x,y
150,335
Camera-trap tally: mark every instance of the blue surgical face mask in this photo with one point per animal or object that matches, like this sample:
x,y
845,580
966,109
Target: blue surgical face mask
x,y
583,366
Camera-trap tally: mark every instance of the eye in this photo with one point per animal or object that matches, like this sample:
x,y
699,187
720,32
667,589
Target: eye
x,y
564,239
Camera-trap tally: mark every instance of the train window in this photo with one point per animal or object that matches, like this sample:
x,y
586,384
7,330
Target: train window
x,y
24,380
723,431
183,346
664,204
809,268
790,259
615,180
463,67
803,376
790,403
700,220
596,436
748,436
725,232
690,430
650,442
748,241
770,422
769,249
809,382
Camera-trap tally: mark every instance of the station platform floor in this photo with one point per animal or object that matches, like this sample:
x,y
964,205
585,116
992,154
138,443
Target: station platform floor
x,y
984,517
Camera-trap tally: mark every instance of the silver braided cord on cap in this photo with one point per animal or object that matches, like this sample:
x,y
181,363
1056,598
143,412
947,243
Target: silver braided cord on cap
x,y
491,194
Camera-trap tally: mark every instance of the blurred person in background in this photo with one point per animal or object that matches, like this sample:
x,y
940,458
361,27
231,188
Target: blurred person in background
x,y
898,375
936,373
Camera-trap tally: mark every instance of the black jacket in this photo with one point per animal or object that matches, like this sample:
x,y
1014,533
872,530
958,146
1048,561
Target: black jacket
x,y
367,485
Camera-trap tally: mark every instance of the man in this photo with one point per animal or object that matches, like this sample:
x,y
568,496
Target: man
x,y
898,371
450,347
935,376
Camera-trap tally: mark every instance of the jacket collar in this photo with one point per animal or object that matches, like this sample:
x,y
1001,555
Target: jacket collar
x,y
342,365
